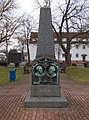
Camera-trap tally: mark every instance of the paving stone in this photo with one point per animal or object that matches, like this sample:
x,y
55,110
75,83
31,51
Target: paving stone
x,y
12,102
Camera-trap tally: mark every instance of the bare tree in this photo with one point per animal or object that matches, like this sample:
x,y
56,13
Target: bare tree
x,y
71,17
24,31
6,6
8,23
8,28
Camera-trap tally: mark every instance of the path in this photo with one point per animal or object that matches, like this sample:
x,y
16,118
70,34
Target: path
x,y
12,101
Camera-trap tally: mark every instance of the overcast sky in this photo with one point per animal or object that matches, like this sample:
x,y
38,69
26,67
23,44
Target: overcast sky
x,y
31,7
26,5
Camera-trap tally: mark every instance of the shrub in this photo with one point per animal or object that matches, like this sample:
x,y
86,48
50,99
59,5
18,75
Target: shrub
x,y
86,64
3,63
74,64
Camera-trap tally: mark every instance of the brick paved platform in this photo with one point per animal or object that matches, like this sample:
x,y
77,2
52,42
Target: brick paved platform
x,y
12,101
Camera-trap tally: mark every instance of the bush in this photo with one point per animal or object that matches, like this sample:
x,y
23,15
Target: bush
x,y
86,64
3,63
16,64
74,64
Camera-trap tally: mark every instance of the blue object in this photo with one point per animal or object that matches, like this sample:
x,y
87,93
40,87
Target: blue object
x,y
13,74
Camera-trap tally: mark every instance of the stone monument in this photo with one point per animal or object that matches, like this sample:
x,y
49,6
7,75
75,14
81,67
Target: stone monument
x,y
45,89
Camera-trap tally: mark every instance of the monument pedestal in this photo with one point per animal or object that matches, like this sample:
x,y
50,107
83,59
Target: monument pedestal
x,y
45,102
45,96
45,90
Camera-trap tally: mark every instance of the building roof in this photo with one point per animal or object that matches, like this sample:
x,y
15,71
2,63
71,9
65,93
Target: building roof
x,y
83,35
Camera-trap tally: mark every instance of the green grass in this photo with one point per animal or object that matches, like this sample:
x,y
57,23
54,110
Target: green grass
x,y
5,74
80,75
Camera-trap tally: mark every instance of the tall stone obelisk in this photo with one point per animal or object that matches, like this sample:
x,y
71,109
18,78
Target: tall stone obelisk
x,y
45,45
45,89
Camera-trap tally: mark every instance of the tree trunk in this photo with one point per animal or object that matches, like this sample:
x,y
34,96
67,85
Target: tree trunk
x,y
28,52
68,58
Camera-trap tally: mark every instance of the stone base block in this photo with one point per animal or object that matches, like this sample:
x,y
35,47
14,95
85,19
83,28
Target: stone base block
x,y
45,102
45,91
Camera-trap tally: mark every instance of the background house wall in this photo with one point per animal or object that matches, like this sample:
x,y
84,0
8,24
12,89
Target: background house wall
x,y
74,51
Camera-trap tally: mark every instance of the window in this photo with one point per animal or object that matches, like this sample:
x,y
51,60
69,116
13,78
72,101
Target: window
x,y
84,46
77,55
77,46
63,55
71,55
84,57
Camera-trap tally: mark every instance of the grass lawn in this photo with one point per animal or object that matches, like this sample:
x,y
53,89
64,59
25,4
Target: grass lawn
x,y
81,75
5,74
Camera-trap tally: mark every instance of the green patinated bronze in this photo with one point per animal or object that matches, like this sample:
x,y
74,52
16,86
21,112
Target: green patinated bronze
x,y
45,71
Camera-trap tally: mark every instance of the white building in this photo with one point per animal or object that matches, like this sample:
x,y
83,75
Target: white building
x,y
79,52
